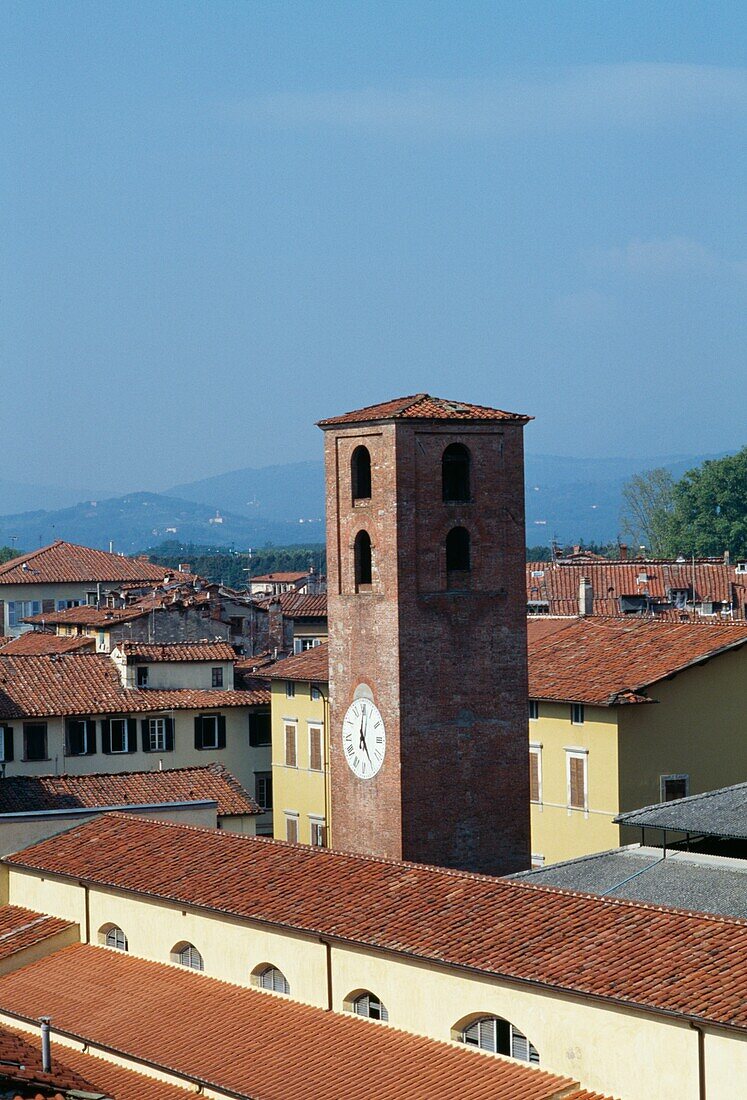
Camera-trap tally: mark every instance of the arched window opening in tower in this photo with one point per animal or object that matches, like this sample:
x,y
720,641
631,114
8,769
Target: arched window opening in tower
x,y
455,471
458,563
360,474
362,561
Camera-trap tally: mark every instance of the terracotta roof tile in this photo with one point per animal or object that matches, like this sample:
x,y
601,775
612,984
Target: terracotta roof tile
x,y
22,928
594,660
38,643
278,578
278,1048
685,964
32,793
21,1065
312,664
178,651
73,1068
88,616
66,561
421,406
88,683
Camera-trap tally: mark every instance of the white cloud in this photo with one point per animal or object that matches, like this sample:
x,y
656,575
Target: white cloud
x,y
671,256
635,94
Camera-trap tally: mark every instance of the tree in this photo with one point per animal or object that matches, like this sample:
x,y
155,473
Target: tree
x,y
649,499
709,510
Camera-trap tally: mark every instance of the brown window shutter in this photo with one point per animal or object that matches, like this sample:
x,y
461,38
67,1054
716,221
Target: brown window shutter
x,y
290,746
534,779
315,749
291,830
577,765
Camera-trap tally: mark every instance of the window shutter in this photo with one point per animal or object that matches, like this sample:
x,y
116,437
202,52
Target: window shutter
x,y
47,606
90,736
519,1045
534,786
106,735
145,734
132,734
7,743
487,1035
578,800
471,1034
315,749
221,731
290,746
198,731
169,735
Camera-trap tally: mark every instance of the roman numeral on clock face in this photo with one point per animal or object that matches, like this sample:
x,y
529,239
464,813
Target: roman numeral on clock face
x,y
364,739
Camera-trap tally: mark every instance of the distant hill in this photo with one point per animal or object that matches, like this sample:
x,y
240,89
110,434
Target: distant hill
x,y
571,499
17,497
141,519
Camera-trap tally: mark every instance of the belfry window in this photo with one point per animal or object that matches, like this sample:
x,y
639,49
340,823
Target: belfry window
x,y
362,555
455,465
457,557
360,474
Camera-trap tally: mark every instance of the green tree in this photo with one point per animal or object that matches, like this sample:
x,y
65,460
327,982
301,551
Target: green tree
x,y
648,503
6,554
709,510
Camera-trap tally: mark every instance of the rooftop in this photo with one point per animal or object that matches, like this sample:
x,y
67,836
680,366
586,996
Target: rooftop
x,y
278,578
88,683
177,651
34,793
296,605
38,643
312,665
721,813
605,661
278,1048
22,928
87,616
709,884
683,964
421,406
21,1066
66,561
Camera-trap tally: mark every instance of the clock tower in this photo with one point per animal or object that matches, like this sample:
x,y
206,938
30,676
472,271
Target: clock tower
x,y
427,634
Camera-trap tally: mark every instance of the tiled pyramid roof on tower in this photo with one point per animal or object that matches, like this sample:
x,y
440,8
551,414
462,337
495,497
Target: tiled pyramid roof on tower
x,y
65,561
421,406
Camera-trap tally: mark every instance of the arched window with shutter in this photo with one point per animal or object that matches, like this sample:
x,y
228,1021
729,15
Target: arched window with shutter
x,y
111,935
365,1003
360,474
186,954
270,977
455,473
497,1035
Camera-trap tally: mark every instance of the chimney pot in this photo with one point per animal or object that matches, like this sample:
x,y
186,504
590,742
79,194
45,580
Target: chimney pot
x,y
585,597
623,551
46,1044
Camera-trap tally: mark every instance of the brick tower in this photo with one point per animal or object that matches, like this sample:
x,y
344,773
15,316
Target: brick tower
x,y
427,631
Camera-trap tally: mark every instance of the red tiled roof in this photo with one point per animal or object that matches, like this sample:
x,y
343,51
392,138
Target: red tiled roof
x,y
72,1068
278,578
21,1066
88,616
594,660
256,1046
178,651
421,406
667,960
38,643
312,664
88,683
32,793
65,561
22,928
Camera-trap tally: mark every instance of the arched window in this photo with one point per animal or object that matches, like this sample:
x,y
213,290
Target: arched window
x,y
368,1004
455,464
362,555
360,473
269,977
499,1036
113,936
186,954
457,557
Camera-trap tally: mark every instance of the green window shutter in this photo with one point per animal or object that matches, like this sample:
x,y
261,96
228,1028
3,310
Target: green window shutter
x,y
106,735
7,743
132,734
198,731
91,736
145,733
221,731
169,735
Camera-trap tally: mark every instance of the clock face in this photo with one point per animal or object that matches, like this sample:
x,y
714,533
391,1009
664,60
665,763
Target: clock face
x,y
363,738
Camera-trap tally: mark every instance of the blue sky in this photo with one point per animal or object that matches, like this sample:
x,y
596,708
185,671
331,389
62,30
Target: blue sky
x,y
222,221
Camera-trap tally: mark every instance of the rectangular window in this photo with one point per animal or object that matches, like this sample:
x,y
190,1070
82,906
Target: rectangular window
x,y
21,609
81,737
291,757
35,741
263,789
315,748
577,714
674,786
260,730
210,731
317,832
315,692
577,780
291,828
217,674
535,774
119,735
290,689
534,709
157,734
142,676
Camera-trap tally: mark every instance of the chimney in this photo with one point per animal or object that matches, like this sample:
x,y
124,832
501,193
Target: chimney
x,y
275,625
585,597
46,1045
727,557
623,551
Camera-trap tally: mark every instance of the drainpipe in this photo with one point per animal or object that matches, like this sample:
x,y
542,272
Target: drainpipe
x,y
328,962
86,902
46,1045
701,1060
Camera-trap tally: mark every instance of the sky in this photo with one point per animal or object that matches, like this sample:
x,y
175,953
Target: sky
x,y
223,221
